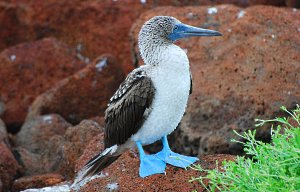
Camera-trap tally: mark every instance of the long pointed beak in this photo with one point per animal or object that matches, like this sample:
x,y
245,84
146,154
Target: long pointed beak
x,y
190,31
182,30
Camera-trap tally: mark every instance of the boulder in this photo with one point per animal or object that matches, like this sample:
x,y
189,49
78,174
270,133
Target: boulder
x,y
51,145
82,95
93,27
123,175
242,75
29,69
37,181
36,134
13,31
8,167
3,133
77,138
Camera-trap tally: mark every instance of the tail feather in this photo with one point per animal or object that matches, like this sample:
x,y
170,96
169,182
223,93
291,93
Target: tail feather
x,y
97,163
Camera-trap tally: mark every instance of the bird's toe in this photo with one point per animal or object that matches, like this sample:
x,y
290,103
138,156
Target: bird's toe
x,y
150,165
176,159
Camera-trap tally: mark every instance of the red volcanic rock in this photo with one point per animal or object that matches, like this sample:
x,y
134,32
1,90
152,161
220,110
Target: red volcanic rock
x,y
122,175
52,147
8,167
3,133
38,144
93,27
83,95
36,134
29,69
248,73
13,31
77,138
32,163
96,27
37,181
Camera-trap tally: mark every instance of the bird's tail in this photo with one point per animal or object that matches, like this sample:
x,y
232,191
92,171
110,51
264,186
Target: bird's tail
x,y
97,163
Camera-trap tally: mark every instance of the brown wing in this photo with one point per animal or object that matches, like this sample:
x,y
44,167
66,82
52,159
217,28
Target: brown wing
x,y
125,115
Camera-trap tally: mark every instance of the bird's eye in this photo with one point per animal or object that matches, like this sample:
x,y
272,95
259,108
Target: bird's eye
x,y
175,28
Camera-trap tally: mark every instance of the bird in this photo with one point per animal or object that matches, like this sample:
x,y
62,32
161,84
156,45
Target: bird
x,y
150,103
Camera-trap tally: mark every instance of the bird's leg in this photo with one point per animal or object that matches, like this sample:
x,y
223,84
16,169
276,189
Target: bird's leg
x,y
172,158
149,164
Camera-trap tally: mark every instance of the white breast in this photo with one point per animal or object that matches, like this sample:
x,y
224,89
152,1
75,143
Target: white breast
x,y
171,78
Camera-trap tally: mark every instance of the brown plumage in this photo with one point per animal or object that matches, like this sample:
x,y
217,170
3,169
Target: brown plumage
x,y
123,118
125,115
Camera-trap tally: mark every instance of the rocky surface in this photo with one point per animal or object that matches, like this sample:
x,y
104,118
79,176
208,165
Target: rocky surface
x,y
39,144
77,138
249,72
91,28
122,175
3,133
8,167
94,27
29,69
82,95
53,145
37,181
36,134
244,74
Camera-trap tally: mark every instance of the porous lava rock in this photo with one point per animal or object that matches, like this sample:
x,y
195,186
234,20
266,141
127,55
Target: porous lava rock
x,y
94,27
3,133
8,167
48,144
29,69
37,181
90,27
247,73
82,95
123,175
34,135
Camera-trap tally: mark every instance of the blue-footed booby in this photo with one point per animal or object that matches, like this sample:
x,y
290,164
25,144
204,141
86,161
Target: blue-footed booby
x,y
151,101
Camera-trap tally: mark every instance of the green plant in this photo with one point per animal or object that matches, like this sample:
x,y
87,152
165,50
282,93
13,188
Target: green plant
x,y
272,167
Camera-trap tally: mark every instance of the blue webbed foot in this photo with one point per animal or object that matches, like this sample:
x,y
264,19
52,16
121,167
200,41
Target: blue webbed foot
x,y
149,164
174,159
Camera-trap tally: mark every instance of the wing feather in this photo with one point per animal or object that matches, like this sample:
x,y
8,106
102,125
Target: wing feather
x,y
125,114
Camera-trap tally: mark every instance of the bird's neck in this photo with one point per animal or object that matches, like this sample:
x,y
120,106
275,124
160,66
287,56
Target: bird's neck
x,y
162,55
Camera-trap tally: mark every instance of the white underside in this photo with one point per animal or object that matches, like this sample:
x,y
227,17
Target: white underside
x,y
171,78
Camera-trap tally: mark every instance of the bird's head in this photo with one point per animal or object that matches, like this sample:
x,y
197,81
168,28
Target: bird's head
x,y
165,30
169,29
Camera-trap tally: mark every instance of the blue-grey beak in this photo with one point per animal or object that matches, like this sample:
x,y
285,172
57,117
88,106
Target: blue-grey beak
x,y
183,31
